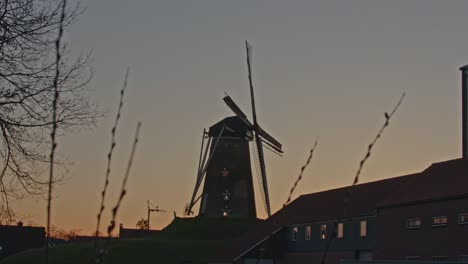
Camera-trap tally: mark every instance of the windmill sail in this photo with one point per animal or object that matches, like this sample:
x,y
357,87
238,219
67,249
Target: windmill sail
x,y
248,48
271,143
256,128
236,109
261,159
228,189
258,172
270,140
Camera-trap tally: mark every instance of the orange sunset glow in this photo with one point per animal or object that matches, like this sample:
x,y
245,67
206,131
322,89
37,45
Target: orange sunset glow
x,y
326,70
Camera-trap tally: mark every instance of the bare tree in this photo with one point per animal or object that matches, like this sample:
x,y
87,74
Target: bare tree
x,y
28,33
58,233
142,224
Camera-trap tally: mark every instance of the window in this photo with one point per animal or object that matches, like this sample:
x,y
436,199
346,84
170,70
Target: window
x,y
463,259
439,221
294,234
439,258
226,195
363,228
463,219
307,233
226,211
414,223
413,258
323,231
339,231
364,255
224,172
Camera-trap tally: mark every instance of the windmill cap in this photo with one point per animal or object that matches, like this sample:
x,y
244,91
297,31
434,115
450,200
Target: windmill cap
x,y
463,68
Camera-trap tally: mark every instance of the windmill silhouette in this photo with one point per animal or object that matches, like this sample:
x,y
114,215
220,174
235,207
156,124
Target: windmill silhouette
x,y
225,163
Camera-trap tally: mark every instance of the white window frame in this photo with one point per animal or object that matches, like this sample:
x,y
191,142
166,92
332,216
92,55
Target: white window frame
x,y
460,221
308,233
363,228
413,227
441,216
340,227
294,232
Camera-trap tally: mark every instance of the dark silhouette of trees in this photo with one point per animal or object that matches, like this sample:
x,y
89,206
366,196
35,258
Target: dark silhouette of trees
x,y
142,224
28,31
68,235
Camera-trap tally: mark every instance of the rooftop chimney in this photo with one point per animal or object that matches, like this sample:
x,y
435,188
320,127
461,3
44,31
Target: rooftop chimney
x,y
464,71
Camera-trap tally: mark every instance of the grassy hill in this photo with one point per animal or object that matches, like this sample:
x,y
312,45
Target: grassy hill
x,y
185,240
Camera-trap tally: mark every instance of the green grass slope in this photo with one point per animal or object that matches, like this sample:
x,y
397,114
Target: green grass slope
x,y
185,240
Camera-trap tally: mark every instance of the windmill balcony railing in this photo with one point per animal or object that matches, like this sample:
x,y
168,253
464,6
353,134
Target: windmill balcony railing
x,y
400,262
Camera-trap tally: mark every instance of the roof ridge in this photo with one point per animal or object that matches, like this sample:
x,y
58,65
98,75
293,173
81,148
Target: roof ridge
x,y
361,184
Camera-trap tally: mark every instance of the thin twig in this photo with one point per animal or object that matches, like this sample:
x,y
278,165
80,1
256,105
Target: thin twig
x,y
54,124
311,154
123,192
283,211
358,173
371,145
109,156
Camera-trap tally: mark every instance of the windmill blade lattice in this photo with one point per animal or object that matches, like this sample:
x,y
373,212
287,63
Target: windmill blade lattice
x,y
257,129
258,172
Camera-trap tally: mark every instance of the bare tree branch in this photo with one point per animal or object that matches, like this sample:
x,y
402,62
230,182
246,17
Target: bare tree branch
x,y
54,125
109,156
30,78
123,191
311,154
347,197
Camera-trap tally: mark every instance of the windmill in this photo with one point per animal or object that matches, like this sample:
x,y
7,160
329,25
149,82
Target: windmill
x,y
152,209
225,163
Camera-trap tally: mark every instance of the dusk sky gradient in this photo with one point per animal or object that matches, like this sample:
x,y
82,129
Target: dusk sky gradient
x,y
320,68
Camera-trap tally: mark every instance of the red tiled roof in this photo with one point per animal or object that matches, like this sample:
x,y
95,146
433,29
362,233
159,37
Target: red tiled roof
x,y
445,179
442,180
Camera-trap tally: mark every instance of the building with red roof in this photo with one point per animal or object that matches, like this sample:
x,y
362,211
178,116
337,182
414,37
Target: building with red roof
x,y
417,217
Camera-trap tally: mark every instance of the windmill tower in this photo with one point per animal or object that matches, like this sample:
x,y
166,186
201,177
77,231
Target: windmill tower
x,y
225,163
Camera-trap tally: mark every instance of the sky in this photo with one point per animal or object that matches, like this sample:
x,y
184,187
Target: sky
x,y
327,69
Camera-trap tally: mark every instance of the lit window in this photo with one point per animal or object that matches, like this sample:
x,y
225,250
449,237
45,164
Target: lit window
x,y
363,228
439,221
339,232
439,258
323,231
413,258
226,195
463,219
226,211
307,233
414,223
294,234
